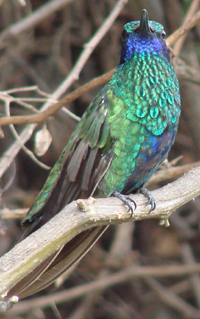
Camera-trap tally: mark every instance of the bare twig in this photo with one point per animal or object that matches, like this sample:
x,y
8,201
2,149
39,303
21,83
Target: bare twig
x,y
178,45
90,46
171,172
194,279
120,249
15,213
27,132
186,72
25,149
25,89
106,282
14,149
42,116
172,300
183,30
32,20
10,180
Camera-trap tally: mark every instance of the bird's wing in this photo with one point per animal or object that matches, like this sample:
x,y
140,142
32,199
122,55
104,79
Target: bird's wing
x,y
79,169
76,174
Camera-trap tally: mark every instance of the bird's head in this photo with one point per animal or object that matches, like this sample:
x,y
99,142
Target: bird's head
x,y
143,36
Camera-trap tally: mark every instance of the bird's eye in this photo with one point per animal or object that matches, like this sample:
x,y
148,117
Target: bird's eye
x,y
125,36
163,34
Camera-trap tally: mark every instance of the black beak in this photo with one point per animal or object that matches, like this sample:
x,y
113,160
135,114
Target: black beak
x,y
143,28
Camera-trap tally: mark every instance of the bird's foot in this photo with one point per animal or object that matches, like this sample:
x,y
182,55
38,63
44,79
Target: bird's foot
x,y
151,200
126,200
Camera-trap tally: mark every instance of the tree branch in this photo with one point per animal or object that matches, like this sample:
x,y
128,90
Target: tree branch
x,y
71,221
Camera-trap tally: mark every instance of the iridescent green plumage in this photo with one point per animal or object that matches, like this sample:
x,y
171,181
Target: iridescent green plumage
x,y
124,135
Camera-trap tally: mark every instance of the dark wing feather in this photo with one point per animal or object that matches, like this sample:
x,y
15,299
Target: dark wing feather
x,y
76,174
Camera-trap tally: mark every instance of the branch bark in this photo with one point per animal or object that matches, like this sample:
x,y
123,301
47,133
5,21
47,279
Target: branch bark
x,y
72,220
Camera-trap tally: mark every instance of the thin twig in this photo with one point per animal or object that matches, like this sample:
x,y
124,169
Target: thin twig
x,y
10,180
25,89
103,283
14,149
172,300
13,214
171,173
90,46
194,279
10,99
31,20
27,132
178,45
117,253
183,30
25,149
42,116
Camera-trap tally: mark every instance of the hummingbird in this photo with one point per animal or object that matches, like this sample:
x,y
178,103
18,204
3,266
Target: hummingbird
x,y
124,135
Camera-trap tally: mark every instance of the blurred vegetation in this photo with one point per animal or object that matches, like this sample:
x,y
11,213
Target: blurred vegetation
x,y
43,55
